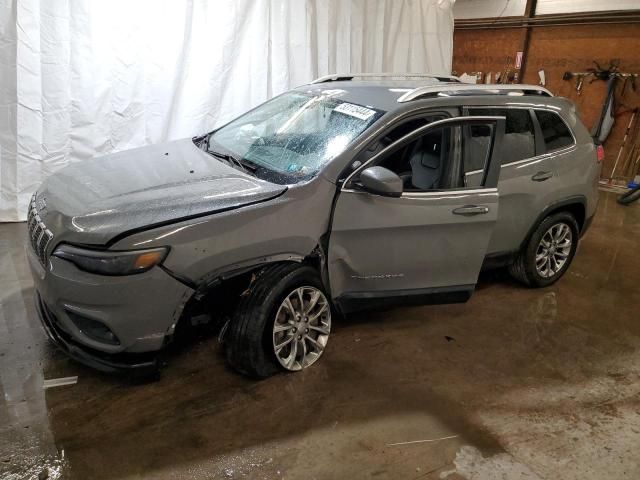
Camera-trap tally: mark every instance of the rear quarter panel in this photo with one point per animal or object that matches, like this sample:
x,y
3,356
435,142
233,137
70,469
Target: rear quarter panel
x,y
578,171
575,174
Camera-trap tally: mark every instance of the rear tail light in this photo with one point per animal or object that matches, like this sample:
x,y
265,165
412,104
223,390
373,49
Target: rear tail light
x,y
600,153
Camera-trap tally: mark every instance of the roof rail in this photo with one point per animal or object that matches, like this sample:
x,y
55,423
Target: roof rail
x,y
473,89
335,77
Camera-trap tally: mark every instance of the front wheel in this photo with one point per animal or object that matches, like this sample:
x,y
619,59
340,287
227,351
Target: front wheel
x,y
549,252
282,322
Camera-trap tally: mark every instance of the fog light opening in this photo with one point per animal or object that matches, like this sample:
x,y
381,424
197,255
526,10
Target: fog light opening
x,y
93,329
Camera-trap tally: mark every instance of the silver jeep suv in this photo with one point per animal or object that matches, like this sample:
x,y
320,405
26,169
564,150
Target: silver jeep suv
x,y
336,196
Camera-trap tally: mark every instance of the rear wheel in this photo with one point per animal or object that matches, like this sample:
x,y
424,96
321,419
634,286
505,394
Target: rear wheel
x,y
283,322
549,251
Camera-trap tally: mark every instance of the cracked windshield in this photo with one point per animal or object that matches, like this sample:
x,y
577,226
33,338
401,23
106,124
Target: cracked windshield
x,y
291,137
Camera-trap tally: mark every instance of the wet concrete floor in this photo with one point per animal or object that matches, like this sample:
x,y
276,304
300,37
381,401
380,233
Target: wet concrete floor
x,y
515,384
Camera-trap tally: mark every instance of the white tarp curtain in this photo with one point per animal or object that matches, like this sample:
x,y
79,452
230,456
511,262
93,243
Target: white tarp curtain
x,y
81,78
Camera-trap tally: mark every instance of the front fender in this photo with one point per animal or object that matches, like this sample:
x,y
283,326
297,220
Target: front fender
x,y
288,228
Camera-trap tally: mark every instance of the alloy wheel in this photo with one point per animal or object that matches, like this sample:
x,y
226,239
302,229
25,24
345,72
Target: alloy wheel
x,y
301,328
554,250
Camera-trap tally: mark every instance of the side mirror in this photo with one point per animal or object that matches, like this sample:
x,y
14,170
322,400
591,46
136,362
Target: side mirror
x,y
381,181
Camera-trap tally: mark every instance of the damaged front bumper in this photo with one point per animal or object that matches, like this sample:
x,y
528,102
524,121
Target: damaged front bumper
x,y
111,323
117,362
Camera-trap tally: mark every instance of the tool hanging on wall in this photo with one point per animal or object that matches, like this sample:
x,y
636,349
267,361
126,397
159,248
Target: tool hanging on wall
x,y
629,80
506,76
610,74
579,82
603,74
600,73
603,126
579,77
622,145
631,160
543,78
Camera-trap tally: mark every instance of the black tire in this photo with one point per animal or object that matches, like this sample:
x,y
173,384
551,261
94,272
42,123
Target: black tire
x,y
248,340
629,197
524,268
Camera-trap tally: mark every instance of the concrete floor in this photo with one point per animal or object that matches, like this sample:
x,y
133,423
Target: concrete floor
x,y
514,384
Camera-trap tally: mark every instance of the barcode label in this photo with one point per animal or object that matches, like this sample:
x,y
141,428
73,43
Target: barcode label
x,y
363,113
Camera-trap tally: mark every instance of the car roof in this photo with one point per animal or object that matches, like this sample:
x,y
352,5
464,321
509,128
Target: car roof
x,y
392,95
382,95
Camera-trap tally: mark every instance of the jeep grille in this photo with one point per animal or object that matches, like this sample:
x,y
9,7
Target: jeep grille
x,y
39,234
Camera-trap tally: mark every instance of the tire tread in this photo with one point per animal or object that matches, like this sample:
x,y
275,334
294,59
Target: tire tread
x,y
523,269
245,340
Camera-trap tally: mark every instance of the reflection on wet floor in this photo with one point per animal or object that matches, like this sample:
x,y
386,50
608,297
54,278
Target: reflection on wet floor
x,y
27,447
516,381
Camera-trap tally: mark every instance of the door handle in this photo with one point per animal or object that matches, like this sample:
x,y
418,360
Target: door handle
x,y
542,176
471,210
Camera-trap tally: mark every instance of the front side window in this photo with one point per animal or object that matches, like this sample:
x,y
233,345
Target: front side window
x,y
519,137
438,160
555,132
421,163
393,135
291,137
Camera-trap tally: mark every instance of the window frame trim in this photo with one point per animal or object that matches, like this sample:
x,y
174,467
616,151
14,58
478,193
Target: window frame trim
x,y
534,117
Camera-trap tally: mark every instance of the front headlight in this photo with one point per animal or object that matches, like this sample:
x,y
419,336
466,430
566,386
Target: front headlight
x,y
112,262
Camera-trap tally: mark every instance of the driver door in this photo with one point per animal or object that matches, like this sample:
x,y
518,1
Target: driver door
x,y
428,244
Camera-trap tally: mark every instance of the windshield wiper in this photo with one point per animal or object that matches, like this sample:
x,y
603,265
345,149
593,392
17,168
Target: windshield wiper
x,y
244,166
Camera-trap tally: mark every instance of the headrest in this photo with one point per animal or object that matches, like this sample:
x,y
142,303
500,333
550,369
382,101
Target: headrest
x,y
430,160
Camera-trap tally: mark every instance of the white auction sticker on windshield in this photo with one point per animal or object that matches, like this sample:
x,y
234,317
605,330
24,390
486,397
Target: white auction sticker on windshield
x,y
363,113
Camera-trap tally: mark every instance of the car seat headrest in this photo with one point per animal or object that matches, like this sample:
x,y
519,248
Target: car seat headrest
x,y
430,160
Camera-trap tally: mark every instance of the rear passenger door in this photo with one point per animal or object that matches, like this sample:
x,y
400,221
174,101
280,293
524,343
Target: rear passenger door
x,y
527,177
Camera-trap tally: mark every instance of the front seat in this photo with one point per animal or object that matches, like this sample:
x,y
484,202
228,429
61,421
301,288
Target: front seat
x,y
426,165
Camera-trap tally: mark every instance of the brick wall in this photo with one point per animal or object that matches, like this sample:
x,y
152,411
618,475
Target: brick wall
x,y
556,50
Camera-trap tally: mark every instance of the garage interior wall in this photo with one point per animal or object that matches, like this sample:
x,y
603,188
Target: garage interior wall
x,y
80,78
511,8
557,49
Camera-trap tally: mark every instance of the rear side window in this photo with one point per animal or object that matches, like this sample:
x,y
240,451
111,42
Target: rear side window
x,y
555,132
519,139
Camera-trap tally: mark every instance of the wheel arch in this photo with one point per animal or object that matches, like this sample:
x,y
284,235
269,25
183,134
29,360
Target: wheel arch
x,y
220,290
576,205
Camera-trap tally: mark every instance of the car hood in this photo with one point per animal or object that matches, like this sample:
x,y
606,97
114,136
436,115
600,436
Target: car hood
x,y
93,201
